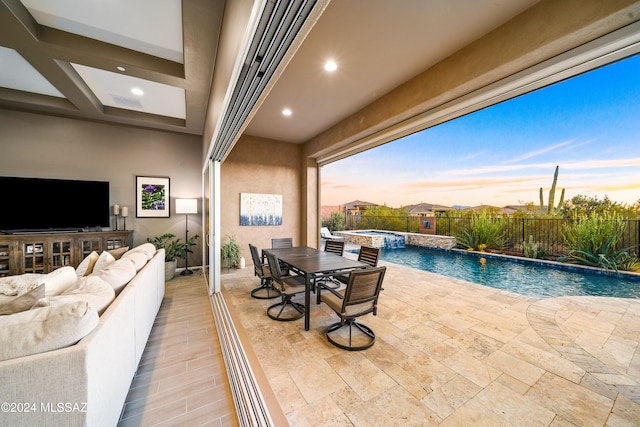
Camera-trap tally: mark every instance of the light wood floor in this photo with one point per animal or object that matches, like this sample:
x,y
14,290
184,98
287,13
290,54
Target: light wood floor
x,y
181,380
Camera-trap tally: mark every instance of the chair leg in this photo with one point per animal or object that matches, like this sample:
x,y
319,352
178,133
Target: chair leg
x,y
367,333
266,286
286,302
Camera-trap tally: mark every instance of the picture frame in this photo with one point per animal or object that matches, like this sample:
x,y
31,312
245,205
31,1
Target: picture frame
x,y
152,197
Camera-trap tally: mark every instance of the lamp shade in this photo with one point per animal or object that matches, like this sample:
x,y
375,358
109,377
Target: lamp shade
x,y
186,206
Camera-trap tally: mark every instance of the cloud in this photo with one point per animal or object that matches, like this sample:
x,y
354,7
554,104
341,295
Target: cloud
x,y
472,156
468,184
544,150
577,165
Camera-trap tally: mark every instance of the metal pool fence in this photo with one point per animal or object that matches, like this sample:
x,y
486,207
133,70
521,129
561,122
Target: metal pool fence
x,y
547,232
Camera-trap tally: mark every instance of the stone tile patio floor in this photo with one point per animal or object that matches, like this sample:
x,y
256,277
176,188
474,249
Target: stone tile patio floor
x,y
453,353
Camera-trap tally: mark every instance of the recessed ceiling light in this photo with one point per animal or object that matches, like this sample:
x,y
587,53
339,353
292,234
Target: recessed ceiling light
x,y
330,66
137,91
286,112
120,68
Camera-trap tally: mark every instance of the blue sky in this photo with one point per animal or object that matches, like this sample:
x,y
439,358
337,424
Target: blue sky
x,y
588,125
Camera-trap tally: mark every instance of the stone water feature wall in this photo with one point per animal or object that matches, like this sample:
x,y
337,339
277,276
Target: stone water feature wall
x,y
414,239
361,239
430,241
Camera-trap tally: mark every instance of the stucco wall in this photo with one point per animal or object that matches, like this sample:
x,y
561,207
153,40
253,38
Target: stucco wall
x,y
39,146
258,165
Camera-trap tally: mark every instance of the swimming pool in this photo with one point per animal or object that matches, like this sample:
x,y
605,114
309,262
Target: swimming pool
x,y
523,277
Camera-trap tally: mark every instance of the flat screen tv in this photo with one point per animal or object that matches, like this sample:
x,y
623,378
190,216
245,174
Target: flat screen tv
x,y
41,204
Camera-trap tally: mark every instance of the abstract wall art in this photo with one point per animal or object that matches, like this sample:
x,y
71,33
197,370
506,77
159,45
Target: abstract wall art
x,y
260,209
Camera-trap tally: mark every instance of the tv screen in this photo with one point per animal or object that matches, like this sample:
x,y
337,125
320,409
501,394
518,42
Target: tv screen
x,y
40,204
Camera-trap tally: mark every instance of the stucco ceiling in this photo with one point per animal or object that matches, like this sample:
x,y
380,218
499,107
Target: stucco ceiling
x,y
62,57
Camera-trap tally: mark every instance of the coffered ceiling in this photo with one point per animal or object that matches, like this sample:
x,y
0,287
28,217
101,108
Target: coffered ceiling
x,y
82,58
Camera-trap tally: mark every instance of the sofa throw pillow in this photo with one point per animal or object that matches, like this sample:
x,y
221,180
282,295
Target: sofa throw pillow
x,y
119,273
139,259
146,248
117,253
23,302
104,259
92,289
86,266
45,329
59,280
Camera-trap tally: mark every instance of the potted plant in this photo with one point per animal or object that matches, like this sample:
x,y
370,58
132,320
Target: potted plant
x,y
231,253
173,249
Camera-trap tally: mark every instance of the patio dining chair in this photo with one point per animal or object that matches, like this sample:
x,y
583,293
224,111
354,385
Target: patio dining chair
x,y
360,297
288,286
282,242
368,255
266,290
334,247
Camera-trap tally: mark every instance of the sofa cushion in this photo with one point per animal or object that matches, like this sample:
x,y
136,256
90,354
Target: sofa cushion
x,y
92,289
45,329
146,248
86,266
14,286
117,253
59,280
138,258
118,273
104,260
23,302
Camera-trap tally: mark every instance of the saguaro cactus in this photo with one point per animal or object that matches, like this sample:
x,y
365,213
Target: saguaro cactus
x,y
552,194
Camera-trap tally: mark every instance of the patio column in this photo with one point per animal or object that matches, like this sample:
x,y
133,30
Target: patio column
x,y
310,203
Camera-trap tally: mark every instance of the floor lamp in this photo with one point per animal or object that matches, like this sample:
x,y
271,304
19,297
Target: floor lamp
x,y
186,207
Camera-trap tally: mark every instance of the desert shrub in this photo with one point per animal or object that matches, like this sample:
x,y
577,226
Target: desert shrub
x,y
533,249
335,222
482,233
593,240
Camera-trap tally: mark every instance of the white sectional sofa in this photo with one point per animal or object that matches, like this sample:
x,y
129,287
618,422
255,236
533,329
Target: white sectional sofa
x,y
86,383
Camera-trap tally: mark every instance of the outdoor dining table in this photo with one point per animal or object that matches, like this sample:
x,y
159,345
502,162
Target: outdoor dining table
x,y
311,263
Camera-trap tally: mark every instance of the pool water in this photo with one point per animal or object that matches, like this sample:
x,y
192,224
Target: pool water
x,y
525,278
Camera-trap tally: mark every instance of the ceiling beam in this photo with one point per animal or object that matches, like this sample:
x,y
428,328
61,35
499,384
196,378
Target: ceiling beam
x,y
51,52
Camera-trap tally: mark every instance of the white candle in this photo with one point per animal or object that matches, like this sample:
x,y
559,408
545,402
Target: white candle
x,y
116,209
125,211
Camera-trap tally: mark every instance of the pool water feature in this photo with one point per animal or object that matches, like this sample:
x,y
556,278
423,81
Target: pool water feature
x,y
523,277
376,239
391,240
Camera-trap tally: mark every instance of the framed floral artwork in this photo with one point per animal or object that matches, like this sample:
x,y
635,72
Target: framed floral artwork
x,y
152,197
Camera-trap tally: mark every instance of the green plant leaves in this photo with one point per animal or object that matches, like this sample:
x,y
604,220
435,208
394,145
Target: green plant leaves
x,y
593,240
173,248
482,233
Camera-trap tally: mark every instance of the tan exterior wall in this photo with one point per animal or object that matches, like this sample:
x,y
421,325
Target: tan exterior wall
x,y
257,165
38,146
